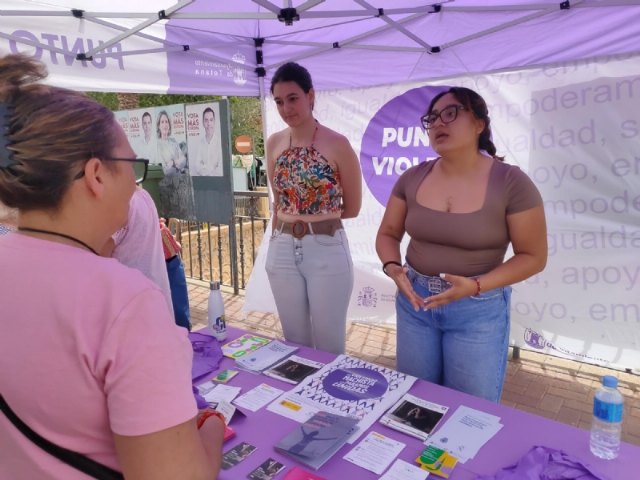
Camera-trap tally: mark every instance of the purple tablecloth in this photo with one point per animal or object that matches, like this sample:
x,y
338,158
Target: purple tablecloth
x,y
520,433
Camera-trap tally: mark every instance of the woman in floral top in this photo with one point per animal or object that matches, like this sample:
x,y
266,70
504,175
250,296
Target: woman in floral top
x,y
316,182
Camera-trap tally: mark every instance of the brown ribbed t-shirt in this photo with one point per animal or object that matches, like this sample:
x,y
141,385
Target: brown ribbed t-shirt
x,y
465,244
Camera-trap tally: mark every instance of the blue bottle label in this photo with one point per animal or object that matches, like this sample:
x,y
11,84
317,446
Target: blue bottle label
x,y
608,412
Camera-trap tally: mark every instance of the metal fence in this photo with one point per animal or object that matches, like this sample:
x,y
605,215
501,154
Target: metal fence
x,y
225,253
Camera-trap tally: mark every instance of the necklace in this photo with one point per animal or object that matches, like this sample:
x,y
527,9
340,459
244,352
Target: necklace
x,y
57,234
313,137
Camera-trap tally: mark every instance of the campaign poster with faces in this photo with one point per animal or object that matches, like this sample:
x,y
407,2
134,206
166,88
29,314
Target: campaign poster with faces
x,y
204,140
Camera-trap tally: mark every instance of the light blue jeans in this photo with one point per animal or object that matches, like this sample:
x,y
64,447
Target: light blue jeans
x,y
311,279
462,345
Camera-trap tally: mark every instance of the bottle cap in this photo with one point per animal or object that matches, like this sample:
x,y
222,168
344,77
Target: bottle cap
x,y
214,285
610,381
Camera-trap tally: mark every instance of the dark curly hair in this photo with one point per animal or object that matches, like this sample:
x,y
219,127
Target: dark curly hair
x,y
473,102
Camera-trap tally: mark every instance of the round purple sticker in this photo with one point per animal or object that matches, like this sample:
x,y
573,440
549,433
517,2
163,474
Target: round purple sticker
x,y
395,140
355,384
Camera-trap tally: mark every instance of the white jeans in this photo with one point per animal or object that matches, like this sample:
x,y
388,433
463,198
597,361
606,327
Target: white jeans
x,y
311,279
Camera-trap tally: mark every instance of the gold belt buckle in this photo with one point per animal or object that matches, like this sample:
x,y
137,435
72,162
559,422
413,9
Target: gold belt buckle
x,y
299,229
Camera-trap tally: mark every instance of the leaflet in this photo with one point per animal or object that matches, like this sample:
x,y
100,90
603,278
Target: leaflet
x,y
294,369
257,397
375,452
265,357
414,416
347,386
465,432
401,470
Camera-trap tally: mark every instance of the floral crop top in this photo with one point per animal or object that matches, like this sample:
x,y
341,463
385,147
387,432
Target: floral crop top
x,y
306,182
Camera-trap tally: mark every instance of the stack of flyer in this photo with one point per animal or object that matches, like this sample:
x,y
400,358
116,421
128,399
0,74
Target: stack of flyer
x,y
294,369
265,357
465,432
414,416
243,345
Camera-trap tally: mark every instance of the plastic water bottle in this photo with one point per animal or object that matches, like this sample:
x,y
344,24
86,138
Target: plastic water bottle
x,y
607,419
215,312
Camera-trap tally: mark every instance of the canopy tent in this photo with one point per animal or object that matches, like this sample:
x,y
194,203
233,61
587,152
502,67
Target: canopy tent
x,y
561,80
225,48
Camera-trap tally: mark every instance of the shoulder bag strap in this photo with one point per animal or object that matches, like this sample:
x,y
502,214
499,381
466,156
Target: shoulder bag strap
x,y
75,459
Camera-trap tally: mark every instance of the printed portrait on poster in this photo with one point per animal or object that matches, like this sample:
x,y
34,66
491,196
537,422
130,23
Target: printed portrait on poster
x,y
142,134
204,140
171,145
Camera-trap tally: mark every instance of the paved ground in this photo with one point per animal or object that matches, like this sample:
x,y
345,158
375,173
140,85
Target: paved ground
x,y
541,384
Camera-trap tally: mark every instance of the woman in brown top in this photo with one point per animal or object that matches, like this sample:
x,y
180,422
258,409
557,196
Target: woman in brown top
x,y
461,211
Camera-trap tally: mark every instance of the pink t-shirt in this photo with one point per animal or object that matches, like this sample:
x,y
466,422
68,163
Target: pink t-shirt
x,y
88,348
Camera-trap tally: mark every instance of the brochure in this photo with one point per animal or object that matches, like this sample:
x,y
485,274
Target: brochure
x,y
437,461
316,440
414,416
346,386
294,369
243,345
265,357
375,452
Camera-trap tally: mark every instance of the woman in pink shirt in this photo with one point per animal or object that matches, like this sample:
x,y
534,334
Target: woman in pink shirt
x,y
91,358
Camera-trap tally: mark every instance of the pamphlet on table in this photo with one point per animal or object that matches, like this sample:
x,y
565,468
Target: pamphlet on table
x,y
414,416
346,386
465,432
265,357
375,452
401,470
294,369
244,344
258,397
437,461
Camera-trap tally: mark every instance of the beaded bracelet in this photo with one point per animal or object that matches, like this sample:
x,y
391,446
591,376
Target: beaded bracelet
x,y
209,413
478,287
390,262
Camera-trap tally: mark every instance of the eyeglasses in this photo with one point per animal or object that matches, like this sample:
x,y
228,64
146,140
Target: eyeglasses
x,y
140,167
447,115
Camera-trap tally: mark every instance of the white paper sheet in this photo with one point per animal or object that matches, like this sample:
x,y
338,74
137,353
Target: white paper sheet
x,y
465,432
401,470
375,452
258,397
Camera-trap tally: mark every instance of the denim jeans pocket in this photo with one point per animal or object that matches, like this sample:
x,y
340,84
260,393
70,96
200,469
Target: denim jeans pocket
x,y
489,295
328,240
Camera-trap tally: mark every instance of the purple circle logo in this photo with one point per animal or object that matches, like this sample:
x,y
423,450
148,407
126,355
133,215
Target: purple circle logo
x,y
355,384
395,140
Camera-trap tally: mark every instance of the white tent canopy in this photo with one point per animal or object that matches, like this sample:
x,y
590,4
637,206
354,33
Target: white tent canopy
x,y
561,78
214,47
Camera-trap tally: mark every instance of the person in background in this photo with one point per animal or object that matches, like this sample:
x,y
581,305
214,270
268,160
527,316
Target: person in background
x,y
170,155
316,181
461,211
92,360
139,245
177,277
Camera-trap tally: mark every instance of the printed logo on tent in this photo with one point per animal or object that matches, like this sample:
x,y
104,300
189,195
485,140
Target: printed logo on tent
x,y
395,140
239,74
355,384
